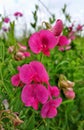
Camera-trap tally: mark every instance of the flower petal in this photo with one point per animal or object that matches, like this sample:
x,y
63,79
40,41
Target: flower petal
x,y
15,79
35,43
41,93
48,39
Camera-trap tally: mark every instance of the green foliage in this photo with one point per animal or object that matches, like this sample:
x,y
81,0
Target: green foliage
x,y
35,17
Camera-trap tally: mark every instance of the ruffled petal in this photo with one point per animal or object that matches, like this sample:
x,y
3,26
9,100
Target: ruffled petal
x,y
15,79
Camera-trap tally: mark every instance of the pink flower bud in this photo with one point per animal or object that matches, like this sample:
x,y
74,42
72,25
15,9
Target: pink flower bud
x,y
58,27
11,49
70,94
22,47
26,54
19,55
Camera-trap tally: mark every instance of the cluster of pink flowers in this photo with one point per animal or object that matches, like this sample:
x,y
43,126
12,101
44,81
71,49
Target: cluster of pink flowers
x,y
45,40
20,52
36,88
33,77
74,30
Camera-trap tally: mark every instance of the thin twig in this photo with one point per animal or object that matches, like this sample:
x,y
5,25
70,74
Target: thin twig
x,y
45,7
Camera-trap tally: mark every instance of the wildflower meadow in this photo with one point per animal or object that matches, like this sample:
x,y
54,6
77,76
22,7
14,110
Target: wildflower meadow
x,y
42,75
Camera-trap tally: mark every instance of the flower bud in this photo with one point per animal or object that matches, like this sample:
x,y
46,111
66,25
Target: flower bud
x,y
11,49
22,47
57,28
70,94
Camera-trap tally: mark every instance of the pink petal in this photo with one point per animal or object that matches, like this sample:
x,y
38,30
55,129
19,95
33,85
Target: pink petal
x,y
41,93
45,109
35,43
57,102
39,68
15,79
26,73
48,110
35,104
28,97
48,39
52,112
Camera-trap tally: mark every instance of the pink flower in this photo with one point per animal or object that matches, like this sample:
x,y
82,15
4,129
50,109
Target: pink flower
x,y
34,94
70,28
6,20
54,91
57,28
63,41
33,72
79,27
72,35
42,41
18,14
49,108
15,80
70,94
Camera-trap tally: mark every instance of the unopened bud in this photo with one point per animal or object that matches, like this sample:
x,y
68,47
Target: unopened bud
x,y
22,47
57,28
11,49
70,94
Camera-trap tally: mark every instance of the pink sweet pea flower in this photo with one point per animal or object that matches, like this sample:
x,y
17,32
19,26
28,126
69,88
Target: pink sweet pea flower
x,y
33,94
18,14
42,41
49,108
33,72
57,28
6,20
63,41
